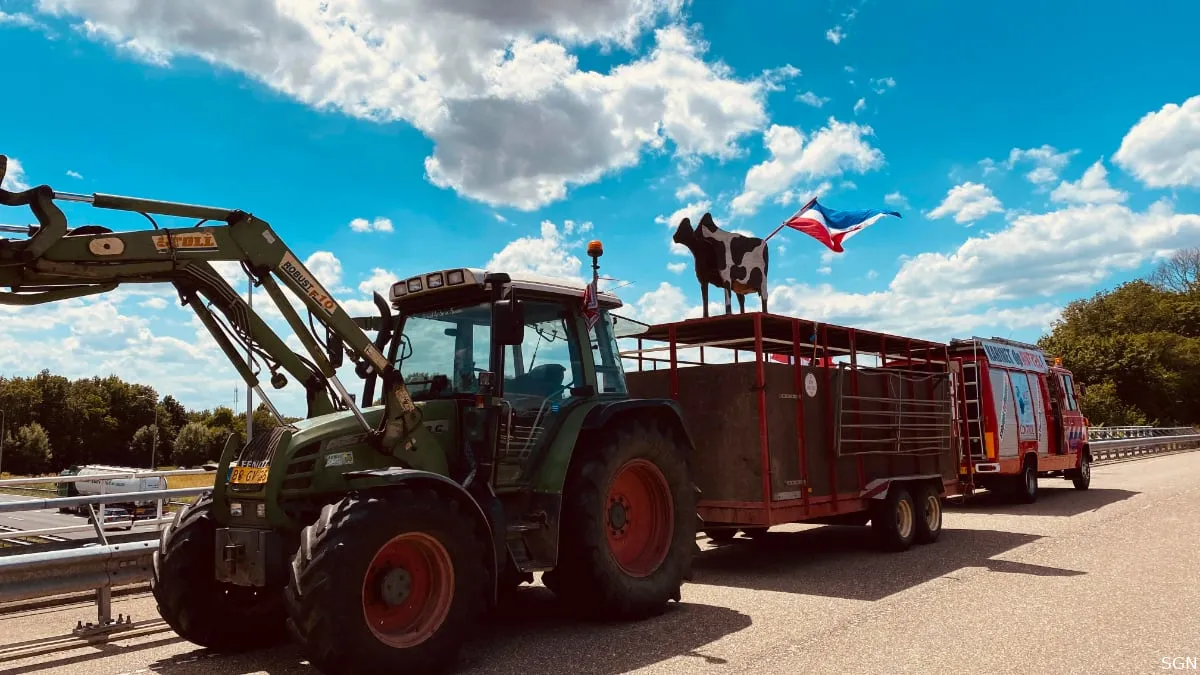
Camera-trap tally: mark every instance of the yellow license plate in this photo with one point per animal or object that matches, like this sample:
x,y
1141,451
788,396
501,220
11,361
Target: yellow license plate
x,y
249,475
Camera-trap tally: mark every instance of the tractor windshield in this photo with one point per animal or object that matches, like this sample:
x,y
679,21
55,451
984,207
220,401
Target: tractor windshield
x,y
442,352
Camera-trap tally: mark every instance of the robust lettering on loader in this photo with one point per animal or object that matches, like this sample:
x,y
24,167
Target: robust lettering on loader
x,y
292,268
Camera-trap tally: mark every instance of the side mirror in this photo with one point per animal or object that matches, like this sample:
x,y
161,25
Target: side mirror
x,y
508,322
336,348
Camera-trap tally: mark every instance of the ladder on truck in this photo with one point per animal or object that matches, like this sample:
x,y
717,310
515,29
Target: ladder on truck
x,y
973,409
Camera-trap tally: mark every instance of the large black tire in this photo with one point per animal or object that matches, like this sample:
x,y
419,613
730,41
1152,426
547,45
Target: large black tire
x,y
893,519
438,574
1025,484
1081,478
928,504
633,484
220,616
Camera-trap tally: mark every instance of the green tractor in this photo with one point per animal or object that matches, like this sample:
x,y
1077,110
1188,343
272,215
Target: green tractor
x,y
503,444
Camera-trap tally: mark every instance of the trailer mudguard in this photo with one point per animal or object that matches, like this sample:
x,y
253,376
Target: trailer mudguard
x,y
444,487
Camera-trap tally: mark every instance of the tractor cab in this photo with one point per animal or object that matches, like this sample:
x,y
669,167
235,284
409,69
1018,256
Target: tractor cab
x,y
525,341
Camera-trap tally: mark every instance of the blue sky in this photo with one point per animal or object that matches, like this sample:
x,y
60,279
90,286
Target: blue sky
x,y
1038,151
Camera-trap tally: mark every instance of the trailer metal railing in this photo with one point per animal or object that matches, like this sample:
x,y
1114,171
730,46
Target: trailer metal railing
x,y
96,565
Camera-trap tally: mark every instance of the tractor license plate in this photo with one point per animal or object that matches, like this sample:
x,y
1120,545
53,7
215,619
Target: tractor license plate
x,y
249,475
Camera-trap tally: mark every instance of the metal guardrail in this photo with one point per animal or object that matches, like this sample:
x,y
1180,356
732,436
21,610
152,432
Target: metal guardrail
x,y
97,565
1132,446
1108,433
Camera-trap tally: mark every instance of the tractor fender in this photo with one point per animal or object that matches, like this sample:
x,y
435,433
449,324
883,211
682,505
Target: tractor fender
x,y
550,474
444,487
602,414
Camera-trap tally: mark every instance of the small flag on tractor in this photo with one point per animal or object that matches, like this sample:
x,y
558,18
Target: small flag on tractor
x,y
591,305
832,227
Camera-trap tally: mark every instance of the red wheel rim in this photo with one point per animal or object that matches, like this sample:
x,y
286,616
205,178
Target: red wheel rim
x,y
408,589
639,518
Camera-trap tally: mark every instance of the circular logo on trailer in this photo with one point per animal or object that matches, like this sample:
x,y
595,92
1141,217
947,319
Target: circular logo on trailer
x,y
810,384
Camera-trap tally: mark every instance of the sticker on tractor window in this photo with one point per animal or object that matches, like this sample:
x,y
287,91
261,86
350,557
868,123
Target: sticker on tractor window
x,y
339,459
437,427
185,241
810,385
249,475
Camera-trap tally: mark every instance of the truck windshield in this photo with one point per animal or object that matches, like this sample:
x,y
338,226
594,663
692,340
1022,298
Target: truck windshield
x,y
443,351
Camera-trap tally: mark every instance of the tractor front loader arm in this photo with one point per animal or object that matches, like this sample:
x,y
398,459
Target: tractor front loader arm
x,y
55,263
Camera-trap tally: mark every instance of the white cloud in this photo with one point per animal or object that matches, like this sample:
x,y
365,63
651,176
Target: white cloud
x,y
968,203
1163,148
154,303
513,118
694,211
812,99
380,282
896,199
860,105
545,255
677,267
834,149
14,177
380,224
17,19
1092,188
881,85
835,34
74,174
689,190
1047,160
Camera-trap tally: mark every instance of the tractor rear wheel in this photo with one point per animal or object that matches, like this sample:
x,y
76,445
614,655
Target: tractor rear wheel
x,y
389,581
629,523
219,616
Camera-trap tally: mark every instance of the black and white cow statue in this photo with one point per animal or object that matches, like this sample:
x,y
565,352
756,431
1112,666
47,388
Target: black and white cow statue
x,y
730,261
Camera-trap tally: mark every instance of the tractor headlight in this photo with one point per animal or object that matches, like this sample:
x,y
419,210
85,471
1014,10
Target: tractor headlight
x,y
455,277
434,280
235,509
261,510
414,285
399,289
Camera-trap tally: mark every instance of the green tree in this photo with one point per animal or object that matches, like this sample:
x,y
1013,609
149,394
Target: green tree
x,y
28,450
192,445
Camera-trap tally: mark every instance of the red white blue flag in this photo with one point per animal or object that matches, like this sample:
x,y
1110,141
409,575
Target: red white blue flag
x,y
591,305
832,227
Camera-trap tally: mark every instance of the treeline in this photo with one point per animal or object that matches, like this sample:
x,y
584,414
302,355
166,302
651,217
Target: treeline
x,y
1136,348
51,423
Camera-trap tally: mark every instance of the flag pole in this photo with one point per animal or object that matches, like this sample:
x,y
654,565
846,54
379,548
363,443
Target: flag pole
x,y
804,208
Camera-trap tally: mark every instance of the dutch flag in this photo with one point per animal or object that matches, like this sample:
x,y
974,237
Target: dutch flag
x,y
832,227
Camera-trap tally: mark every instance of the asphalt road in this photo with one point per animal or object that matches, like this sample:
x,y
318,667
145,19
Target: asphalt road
x,y
1104,581
40,519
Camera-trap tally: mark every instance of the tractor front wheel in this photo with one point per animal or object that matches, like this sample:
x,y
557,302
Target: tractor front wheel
x,y
387,582
628,530
219,616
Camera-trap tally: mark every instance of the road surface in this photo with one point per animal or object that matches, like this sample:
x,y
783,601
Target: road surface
x,y
1103,581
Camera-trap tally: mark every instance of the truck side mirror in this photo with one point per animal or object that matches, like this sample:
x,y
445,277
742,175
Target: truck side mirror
x,y
508,322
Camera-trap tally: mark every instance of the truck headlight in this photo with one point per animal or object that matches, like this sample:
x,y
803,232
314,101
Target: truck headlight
x,y
235,509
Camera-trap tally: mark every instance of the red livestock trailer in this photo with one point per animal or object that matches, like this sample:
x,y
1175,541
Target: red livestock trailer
x,y
798,421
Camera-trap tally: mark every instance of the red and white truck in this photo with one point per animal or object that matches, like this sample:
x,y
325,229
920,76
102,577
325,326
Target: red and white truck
x,y
1020,418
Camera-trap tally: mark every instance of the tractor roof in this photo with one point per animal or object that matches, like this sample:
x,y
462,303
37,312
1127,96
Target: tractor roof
x,y
456,278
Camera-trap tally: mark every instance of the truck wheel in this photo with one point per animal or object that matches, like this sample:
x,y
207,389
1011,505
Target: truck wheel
x,y
1081,478
894,519
628,530
220,616
1025,484
929,514
390,581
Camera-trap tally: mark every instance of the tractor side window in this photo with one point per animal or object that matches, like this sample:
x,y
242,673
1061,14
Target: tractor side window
x,y
610,376
547,364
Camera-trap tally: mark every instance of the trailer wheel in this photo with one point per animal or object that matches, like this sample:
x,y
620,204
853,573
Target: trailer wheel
x,y
928,504
389,581
628,528
1081,478
894,519
219,616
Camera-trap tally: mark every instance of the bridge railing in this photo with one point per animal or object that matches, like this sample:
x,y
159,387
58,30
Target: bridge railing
x,y
97,564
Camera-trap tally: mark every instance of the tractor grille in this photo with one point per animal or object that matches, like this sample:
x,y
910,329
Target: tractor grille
x,y
260,451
